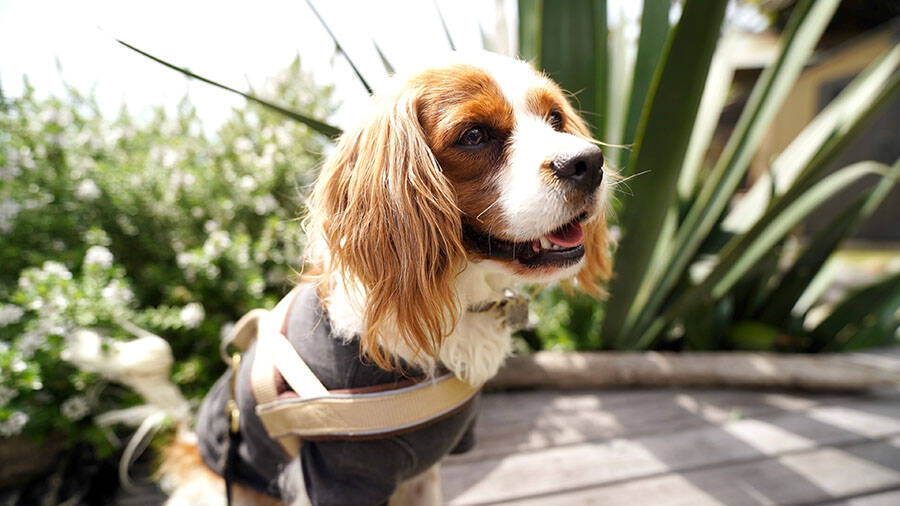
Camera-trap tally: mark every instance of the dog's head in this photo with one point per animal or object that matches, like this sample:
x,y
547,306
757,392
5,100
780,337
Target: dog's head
x,y
482,161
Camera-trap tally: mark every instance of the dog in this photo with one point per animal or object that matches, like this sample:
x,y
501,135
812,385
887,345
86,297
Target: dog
x,y
468,179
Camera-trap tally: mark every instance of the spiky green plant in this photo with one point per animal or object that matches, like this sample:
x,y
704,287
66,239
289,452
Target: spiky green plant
x,y
689,273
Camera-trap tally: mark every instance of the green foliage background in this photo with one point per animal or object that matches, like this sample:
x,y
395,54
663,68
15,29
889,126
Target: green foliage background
x,y
149,222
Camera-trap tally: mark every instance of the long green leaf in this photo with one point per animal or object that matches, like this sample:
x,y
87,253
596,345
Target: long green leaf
x,y
573,52
339,48
856,102
715,95
786,293
652,40
319,126
384,60
873,308
803,31
743,252
662,140
444,26
530,30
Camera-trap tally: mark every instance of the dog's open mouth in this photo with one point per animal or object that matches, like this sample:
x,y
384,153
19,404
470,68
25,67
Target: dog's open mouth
x,y
559,248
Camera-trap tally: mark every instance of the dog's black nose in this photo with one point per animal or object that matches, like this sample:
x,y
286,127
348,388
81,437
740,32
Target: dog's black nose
x,y
584,169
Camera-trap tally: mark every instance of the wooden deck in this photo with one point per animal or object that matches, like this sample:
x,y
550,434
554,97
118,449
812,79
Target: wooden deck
x,y
681,447
691,447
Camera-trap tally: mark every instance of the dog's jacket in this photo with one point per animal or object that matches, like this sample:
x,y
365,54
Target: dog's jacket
x,y
334,471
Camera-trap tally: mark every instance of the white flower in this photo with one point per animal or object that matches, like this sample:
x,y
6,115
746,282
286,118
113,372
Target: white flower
x,y
217,243
117,291
265,204
169,158
9,314
9,172
57,269
14,424
192,315
243,144
19,365
247,183
87,190
8,210
75,408
31,342
98,255
7,394
210,225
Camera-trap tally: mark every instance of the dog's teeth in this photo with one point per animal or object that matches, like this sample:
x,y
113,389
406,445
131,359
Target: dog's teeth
x,y
546,244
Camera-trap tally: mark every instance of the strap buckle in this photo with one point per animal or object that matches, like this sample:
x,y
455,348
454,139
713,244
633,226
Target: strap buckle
x,y
512,309
231,407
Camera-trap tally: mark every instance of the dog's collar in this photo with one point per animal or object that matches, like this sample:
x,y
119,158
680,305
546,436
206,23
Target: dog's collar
x,y
512,309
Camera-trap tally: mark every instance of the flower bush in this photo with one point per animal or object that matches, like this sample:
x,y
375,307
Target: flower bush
x,y
109,224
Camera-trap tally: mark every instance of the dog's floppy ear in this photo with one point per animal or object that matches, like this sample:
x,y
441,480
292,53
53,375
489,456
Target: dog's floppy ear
x,y
389,218
598,264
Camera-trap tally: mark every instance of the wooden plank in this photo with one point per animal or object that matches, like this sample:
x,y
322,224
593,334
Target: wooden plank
x,y
596,463
527,421
808,477
889,498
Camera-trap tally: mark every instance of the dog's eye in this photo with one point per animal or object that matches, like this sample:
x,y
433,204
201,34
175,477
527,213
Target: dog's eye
x,y
556,120
473,137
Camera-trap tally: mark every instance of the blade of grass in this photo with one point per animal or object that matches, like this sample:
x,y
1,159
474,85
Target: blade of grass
x,y
798,41
339,48
319,126
661,142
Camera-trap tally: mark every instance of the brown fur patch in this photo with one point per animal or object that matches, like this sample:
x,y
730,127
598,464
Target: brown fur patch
x,y
451,101
184,471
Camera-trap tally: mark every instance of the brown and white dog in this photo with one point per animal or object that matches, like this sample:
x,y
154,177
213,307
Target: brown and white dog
x,y
469,178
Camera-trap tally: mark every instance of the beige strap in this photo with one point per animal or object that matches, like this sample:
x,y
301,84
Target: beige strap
x,y
365,414
243,333
288,362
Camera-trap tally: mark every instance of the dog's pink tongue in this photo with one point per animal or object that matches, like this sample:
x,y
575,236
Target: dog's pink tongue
x,y
568,236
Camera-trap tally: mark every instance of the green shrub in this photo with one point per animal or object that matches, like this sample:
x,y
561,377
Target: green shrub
x,y
153,223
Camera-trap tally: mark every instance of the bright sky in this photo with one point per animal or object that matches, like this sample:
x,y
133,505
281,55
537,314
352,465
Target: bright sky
x,y
233,42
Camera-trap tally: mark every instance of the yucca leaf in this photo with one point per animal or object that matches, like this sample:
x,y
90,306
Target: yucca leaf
x,y
743,252
652,40
661,142
572,45
871,310
319,126
339,48
530,30
444,26
838,120
803,31
785,295
384,61
715,95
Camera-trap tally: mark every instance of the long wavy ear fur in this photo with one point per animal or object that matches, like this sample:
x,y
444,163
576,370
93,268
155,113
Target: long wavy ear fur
x,y
598,263
390,225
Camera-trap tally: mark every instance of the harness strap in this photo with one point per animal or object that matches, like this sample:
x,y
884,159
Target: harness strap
x,y
365,415
318,413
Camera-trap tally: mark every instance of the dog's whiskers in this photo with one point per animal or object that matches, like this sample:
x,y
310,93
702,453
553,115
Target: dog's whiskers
x,y
486,209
